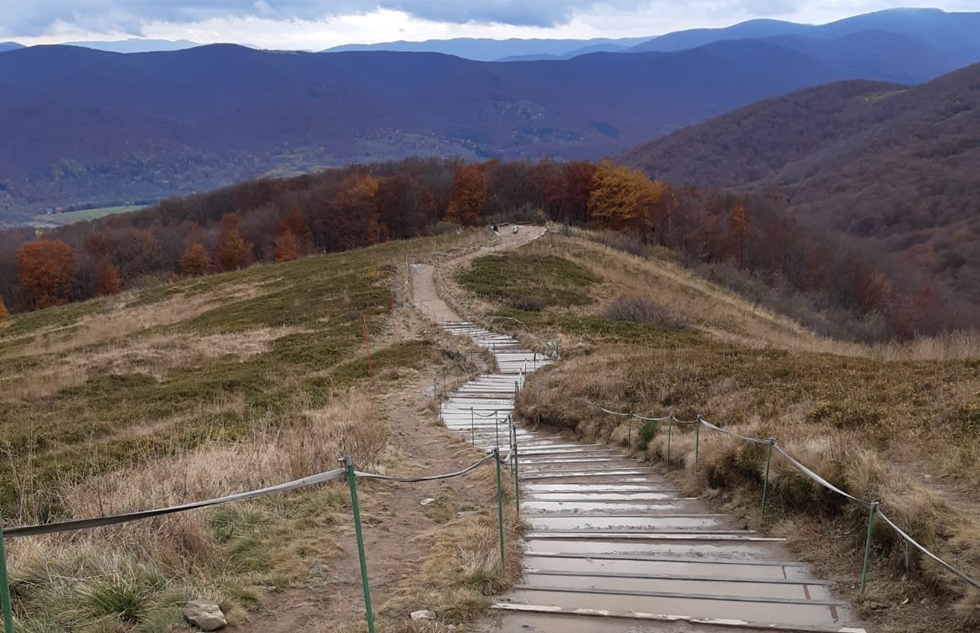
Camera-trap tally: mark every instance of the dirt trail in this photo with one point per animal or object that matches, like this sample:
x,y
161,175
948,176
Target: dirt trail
x,y
396,527
424,293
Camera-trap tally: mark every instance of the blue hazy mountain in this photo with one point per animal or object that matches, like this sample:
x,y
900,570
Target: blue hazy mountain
x,y
953,36
483,49
9,46
136,45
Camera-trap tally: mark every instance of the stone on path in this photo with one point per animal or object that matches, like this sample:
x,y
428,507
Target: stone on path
x,y
205,615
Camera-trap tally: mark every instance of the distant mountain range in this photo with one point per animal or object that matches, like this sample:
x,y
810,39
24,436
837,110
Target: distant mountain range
x,y
134,45
83,126
488,50
895,167
952,36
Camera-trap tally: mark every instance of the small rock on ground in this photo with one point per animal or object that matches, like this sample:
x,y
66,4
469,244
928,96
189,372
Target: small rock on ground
x,y
206,615
423,615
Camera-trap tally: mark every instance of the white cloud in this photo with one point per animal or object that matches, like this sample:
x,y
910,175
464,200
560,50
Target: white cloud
x,y
315,24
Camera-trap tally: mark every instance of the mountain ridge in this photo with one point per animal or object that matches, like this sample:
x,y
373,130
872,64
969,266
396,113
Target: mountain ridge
x,y
87,123
894,167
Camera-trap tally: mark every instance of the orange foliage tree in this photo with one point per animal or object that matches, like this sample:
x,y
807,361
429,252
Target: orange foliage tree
x,y
296,223
106,278
623,199
287,247
469,190
46,271
3,310
739,233
195,261
233,251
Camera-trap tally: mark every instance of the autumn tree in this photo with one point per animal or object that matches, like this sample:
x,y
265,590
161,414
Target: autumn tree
x,y
46,269
287,247
469,191
739,233
195,261
623,199
234,252
106,278
3,310
295,223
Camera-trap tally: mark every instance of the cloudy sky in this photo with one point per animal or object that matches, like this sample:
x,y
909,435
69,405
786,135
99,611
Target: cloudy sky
x,y
318,24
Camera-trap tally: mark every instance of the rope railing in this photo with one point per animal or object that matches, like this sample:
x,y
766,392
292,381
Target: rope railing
x,y
872,506
347,471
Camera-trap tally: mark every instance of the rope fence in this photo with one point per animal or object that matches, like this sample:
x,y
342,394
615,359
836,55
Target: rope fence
x,y
346,471
873,507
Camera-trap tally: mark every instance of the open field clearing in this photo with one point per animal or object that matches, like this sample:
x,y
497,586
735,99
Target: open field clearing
x,y
229,383
70,217
895,423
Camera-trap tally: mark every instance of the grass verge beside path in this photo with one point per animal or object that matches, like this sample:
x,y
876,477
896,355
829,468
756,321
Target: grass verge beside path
x,y
200,389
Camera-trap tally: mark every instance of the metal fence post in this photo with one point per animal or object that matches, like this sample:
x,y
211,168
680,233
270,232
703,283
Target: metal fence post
x,y
595,422
496,429
512,436
765,480
867,546
472,428
629,437
8,609
670,432
517,479
697,441
500,507
348,463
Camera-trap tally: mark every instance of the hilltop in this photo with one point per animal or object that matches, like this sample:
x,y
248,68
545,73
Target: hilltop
x,y
891,167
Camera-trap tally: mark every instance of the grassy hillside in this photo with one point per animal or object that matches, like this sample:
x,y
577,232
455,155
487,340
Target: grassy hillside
x,y
70,217
233,382
894,423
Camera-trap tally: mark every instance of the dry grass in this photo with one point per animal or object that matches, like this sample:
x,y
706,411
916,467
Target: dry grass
x,y
154,355
852,422
462,570
188,391
124,314
216,553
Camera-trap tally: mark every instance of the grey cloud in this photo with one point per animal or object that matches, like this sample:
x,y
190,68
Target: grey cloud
x,y
37,17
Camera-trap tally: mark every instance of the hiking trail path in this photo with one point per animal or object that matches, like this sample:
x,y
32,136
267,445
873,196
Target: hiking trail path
x,y
613,546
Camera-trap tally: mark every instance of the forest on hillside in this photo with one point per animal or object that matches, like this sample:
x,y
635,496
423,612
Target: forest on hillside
x,y
277,220
893,170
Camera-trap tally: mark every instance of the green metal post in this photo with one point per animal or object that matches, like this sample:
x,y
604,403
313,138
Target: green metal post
x,y
595,423
697,441
517,480
512,430
8,609
765,481
348,463
500,507
867,546
472,428
670,432
629,438
496,429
